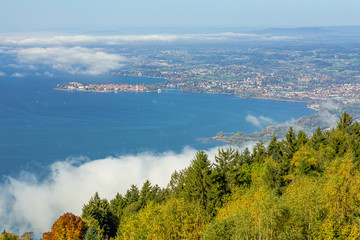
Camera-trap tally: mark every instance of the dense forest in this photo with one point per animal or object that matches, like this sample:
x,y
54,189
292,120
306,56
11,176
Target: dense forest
x,y
300,187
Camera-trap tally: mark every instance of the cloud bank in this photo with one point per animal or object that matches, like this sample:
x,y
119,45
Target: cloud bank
x,y
80,54
259,121
82,40
30,204
75,60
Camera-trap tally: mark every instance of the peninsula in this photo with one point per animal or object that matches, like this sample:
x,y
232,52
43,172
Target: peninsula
x,y
111,87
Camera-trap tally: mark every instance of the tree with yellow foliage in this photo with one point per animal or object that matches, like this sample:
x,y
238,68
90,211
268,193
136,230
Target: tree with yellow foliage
x,y
8,236
174,219
342,192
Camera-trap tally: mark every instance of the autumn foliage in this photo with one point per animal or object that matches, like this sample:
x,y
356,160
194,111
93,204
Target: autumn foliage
x,y
8,236
67,227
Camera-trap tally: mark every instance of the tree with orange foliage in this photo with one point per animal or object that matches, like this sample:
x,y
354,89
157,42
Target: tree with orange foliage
x,y
68,226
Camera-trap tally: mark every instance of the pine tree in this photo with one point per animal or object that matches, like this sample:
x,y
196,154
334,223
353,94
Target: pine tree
x,y
273,149
317,139
345,122
100,216
301,140
259,152
290,143
245,157
198,180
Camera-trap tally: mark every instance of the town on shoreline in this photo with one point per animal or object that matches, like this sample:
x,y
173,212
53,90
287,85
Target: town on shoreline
x,y
110,87
310,74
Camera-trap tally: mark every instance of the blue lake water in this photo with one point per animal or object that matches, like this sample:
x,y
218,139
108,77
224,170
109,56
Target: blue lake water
x,y
39,125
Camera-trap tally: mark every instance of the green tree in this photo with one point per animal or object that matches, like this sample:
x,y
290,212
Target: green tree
x,y
177,182
259,152
301,140
317,140
198,180
91,234
245,157
132,195
221,177
288,147
338,144
273,149
99,215
355,129
345,122
145,193
272,175
239,171
150,193
290,143
117,205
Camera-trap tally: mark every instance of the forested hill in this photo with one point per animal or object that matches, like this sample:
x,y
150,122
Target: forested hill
x,y
297,188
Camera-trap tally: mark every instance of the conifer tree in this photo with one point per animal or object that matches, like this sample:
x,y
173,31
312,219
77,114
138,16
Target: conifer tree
x,y
97,212
239,170
245,157
150,193
132,195
117,205
317,139
290,143
221,178
259,152
301,140
177,182
288,147
345,122
198,180
273,149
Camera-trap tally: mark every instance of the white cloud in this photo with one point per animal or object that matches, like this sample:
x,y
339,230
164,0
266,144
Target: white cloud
x,y
75,60
82,40
2,74
28,204
259,121
253,120
329,105
17,74
328,118
48,74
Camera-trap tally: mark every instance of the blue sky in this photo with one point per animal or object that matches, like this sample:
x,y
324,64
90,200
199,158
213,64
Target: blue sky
x,y
48,15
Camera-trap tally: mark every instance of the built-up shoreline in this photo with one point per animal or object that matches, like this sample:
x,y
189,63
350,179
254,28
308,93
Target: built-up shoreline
x,y
111,87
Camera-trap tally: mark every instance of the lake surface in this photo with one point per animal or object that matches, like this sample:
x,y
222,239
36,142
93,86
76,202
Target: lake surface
x,y
39,125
